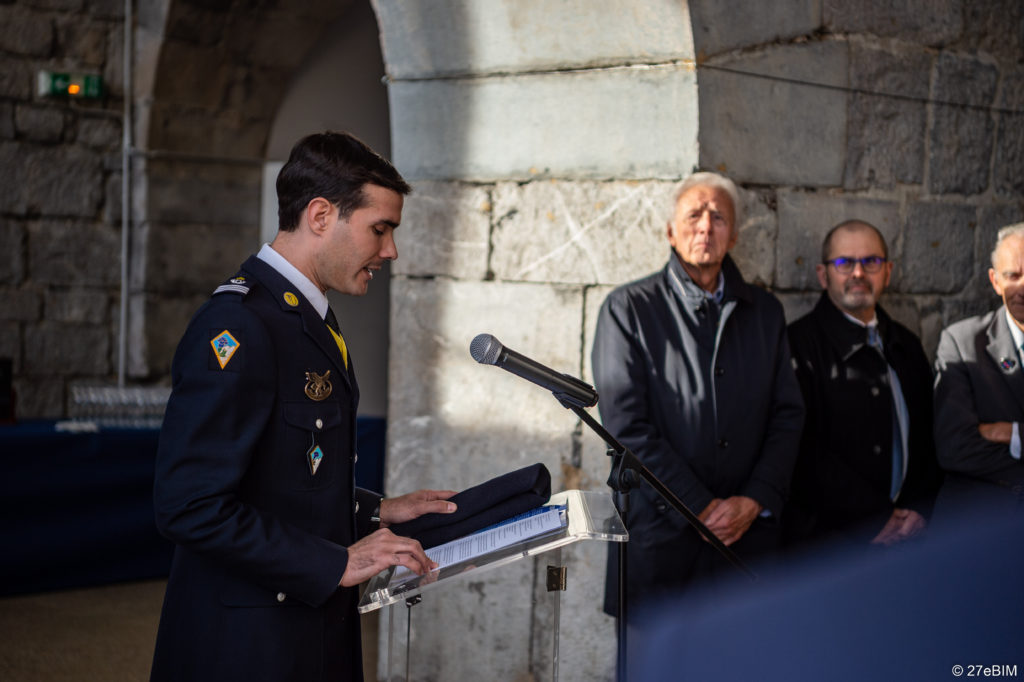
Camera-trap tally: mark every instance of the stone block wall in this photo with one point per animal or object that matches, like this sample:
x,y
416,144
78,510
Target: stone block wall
x,y
905,114
543,140
60,205
206,83
544,166
541,166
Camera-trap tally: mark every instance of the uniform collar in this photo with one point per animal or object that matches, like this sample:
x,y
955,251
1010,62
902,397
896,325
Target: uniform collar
x,y
316,298
280,289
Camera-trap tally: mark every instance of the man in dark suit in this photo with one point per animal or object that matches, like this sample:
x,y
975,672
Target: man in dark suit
x,y
867,471
694,373
979,392
254,478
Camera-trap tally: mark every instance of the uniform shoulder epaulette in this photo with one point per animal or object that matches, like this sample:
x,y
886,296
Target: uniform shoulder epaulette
x,y
239,284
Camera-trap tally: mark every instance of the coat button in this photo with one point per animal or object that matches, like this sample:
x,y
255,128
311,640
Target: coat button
x,y
281,596
877,449
719,371
319,423
355,457
723,443
357,506
874,391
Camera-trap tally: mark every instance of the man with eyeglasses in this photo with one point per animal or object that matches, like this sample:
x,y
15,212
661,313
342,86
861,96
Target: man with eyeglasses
x,y
979,391
866,473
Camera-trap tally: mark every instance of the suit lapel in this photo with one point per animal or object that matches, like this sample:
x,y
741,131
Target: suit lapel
x,y
312,324
317,330
1003,353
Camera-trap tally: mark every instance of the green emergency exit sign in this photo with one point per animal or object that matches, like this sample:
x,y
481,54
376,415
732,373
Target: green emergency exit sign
x,y
76,85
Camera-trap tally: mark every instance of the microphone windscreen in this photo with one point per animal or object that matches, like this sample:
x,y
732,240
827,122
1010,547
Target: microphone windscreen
x,y
485,349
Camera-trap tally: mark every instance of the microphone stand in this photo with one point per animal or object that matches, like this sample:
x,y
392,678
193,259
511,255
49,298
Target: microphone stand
x,y
626,471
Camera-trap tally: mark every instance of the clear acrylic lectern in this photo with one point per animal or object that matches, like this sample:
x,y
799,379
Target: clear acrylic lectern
x,y
568,517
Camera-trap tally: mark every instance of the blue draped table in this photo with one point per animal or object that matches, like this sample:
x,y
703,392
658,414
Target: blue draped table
x,y
76,507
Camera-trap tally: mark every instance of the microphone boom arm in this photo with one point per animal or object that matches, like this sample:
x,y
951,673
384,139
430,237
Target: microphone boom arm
x,y
626,467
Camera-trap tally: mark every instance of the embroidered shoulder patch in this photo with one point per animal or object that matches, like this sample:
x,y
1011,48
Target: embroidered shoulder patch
x,y
224,346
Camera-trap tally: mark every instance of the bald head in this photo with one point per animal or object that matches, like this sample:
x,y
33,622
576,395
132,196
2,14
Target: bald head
x,y
851,226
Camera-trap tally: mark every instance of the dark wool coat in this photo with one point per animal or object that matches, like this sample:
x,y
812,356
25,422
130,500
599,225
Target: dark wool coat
x,y
842,481
706,398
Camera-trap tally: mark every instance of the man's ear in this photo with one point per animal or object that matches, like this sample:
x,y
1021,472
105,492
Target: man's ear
x,y
888,265
820,271
992,277
318,214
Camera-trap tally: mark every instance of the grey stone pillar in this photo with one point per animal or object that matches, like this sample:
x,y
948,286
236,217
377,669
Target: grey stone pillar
x,y
542,139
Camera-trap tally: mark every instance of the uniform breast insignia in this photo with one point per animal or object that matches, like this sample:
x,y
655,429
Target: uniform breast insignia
x,y
315,454
1007,364
318,387
291,299
224,346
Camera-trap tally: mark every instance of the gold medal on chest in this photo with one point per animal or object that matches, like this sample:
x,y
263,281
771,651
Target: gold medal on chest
x,y
318,387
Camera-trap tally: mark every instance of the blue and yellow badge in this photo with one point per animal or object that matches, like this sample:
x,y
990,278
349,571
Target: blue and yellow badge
x,y
224,346
315,455
291,299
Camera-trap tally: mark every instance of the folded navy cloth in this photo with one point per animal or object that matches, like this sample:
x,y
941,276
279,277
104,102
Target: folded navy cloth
x,y
481,506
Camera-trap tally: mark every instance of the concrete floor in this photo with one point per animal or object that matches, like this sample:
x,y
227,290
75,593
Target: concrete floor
x,y
98,634
102,634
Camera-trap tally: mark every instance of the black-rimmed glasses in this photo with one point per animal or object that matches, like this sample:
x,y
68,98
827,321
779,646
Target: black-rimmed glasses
x,y
845,266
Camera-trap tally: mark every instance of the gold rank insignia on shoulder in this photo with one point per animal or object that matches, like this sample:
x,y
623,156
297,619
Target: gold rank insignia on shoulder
x,y
291,299
318,387
224,346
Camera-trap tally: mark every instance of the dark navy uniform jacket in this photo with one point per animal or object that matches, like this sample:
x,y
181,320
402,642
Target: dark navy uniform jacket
x,y
261,541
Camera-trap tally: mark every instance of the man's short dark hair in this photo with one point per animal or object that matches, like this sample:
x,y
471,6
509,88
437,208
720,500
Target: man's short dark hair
x,y
854,224
334,166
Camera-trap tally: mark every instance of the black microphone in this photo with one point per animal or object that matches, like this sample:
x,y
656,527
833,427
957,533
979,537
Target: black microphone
x,y
487,350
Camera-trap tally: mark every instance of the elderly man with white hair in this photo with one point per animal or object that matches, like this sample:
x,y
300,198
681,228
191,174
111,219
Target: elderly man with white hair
x,y
979,391
693,367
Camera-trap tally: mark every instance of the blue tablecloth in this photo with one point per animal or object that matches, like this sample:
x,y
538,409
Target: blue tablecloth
x,y
76,508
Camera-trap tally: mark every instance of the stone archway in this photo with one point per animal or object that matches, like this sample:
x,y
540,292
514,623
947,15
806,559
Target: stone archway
x,y
210,77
